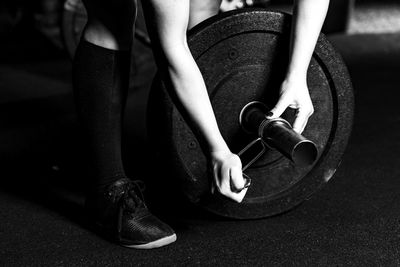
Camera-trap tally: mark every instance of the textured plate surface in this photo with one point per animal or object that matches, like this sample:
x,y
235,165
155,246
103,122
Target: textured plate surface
x,y
242,56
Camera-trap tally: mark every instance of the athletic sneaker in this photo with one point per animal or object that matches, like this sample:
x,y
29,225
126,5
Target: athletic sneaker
x,y
120,211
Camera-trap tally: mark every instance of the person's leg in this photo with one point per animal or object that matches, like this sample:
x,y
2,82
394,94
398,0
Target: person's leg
x,y
100,78
201,10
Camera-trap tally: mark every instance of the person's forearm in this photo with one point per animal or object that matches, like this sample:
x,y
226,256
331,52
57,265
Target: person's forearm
x,y
188,86
308,18
167,22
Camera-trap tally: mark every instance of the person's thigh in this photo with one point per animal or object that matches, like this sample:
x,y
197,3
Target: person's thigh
x,y
110,23
201,10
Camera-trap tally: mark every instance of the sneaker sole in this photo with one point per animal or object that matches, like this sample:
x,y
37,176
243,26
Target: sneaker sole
x,y
155,244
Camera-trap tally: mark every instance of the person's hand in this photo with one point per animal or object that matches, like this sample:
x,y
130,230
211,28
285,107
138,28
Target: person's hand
x,y
294,94
227,175
227,5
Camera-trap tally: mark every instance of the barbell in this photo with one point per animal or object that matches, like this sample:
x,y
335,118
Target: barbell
x,y
243,56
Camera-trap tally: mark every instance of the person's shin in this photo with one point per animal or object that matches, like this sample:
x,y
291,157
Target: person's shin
x,y
101,81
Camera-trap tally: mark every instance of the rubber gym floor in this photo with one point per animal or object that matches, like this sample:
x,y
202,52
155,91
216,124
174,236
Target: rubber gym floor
x,y
353,221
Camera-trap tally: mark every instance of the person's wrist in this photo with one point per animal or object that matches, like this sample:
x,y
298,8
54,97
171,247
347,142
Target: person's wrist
x,y
296,77
219,148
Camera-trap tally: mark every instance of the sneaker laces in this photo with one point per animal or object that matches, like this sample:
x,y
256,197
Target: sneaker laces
x,y
128,193
132,197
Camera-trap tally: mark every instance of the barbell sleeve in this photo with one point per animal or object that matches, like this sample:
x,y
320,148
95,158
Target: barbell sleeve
x,y
277,133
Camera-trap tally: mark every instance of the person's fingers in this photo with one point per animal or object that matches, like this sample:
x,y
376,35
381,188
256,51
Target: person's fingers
x,y
215,184
279,108
225,187
223,184
247,180
228,179
237,181
239,191
301,119
238,197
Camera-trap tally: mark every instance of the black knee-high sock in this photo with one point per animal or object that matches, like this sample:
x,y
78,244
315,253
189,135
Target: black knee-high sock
x,y
101,80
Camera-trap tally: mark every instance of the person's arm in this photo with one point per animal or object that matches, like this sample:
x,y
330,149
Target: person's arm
x,y
167,21
308,17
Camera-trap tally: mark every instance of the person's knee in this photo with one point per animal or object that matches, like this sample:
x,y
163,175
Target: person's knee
x,y
110,24
99,34
201,10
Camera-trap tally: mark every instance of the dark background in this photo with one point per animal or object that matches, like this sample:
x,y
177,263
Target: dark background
x,y
352,221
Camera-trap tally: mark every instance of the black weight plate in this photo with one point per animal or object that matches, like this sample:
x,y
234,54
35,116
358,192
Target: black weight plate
x,y
243,55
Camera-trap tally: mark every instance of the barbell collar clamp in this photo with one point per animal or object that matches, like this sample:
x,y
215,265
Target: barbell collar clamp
x,y
277,133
